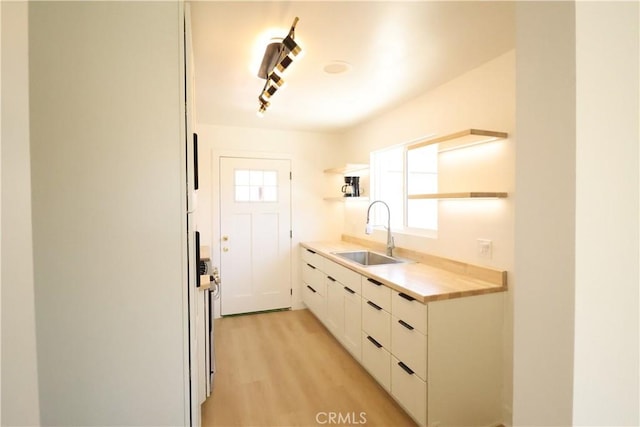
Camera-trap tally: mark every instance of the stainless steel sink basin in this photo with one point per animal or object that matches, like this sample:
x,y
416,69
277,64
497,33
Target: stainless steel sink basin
x,y
368,258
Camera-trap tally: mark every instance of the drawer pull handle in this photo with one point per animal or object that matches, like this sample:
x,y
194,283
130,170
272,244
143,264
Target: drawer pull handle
x,y
405,368
312,290
374,342
407,297
311,266
405,324
375,282
309,250
374,305
348,289
331,278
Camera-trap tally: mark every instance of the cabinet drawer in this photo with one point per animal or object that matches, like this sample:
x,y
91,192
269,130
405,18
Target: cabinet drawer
x,y
312,258
315,302
377,361
409,310
410,346
377,293
409,390
377,323
347,277
314,277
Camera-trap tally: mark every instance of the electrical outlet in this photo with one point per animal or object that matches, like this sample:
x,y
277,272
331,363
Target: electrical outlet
x,y
485,248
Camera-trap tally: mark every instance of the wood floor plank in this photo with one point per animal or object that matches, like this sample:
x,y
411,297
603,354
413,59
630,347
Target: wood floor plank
x,y
286,369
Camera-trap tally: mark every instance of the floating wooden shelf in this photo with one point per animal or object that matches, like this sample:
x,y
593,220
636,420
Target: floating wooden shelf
x,y
461,139
344,199
348,168
461,195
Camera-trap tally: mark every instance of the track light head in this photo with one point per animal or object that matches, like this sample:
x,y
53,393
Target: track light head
x,y
284,64
271,57
278,56
291,46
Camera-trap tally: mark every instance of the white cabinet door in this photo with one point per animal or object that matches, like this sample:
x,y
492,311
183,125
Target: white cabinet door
x,y
376,322
409,310
377,360
313,276
409,345
352,336
409,390
335,308
314,299
377,293
347,277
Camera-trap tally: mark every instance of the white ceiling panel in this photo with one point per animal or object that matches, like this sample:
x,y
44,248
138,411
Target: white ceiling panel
x,y
396,51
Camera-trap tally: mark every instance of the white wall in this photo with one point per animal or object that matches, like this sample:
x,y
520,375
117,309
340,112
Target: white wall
x,y
107,161
310,153
20,402
576,321
606,375
545,206
483,98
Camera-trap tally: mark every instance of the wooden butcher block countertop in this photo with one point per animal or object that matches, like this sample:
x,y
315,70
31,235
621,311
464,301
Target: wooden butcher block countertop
x,y
425,277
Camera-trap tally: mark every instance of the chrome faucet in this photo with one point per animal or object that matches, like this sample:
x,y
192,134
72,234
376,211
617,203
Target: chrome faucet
x,y
369,227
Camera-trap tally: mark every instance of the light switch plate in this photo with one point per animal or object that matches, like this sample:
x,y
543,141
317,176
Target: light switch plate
x,y
485,248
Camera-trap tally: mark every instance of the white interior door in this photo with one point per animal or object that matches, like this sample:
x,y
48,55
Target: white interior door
x,y
255,225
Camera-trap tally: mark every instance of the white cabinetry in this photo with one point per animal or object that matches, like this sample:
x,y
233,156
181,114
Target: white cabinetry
x,y
314,290
441,361
332,293
409,349
344,307
376,331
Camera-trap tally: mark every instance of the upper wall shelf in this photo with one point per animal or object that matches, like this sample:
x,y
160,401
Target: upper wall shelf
x,y
461,139
461,195
348,168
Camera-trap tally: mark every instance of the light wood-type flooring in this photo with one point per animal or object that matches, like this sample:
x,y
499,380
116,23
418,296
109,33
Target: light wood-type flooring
x,y
286,369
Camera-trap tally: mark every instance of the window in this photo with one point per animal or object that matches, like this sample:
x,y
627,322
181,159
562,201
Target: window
x,y
398,172
256,185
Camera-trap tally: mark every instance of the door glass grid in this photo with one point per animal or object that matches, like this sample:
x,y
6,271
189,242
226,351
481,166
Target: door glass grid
x,y
256,185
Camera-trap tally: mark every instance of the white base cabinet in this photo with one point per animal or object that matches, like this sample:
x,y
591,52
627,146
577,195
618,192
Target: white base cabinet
x,y
409,390
352,334
377,360
314,291
441,361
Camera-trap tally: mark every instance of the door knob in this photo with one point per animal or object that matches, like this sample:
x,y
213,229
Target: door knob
x,y
225,249
225,238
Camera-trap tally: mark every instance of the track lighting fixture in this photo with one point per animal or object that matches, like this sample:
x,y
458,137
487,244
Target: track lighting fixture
x,y
278,56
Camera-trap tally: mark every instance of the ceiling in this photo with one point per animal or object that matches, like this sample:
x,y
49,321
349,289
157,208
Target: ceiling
x,y
396,51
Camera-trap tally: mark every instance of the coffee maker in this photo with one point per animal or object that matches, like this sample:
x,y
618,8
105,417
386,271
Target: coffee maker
x,y
351,187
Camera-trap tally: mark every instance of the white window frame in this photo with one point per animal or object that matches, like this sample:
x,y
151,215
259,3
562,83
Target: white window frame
x,y
380,220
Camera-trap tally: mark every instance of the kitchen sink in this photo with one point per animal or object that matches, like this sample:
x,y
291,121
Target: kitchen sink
x,y
368,258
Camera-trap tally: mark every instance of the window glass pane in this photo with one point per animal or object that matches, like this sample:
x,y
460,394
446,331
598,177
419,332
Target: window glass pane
x,y
242,177
254,194
388,186
270,178
256,186
397,172
255,177
422,170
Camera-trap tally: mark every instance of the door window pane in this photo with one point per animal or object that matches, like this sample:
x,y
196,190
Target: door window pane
x,y
256,186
